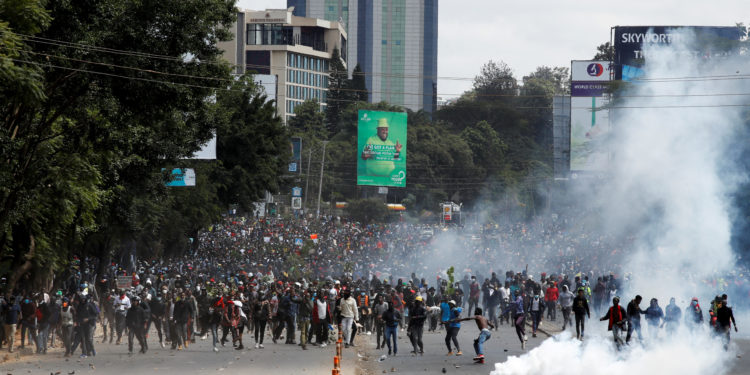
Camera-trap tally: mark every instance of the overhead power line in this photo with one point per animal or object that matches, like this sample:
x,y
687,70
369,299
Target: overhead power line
x,y
152,71
83,46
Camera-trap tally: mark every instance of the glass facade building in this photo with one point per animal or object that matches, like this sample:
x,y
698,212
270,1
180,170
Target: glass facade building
x,y
296,50
393,41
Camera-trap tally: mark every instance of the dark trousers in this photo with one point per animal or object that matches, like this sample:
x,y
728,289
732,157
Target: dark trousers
x,y
260,330
290,329
580,318
551,312
156,320
120,324
140,335
86,330
452,334
415,335
520,323
634,325
29,327
380,332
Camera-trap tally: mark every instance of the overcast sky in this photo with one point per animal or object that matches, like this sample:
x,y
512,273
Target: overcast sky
x,y
530,33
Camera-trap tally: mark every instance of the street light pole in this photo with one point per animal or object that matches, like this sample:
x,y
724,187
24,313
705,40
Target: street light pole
x,y
320,184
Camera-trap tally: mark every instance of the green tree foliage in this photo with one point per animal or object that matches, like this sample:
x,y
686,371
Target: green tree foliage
x,y
252,146
605,52
495,82
367,211
85,131
339,94
309,122
358,85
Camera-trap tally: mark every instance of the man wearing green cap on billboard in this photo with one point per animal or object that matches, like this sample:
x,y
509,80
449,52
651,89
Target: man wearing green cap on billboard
x,y
380,152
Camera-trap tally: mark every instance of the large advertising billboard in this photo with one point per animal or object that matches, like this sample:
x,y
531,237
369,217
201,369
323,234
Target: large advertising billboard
x,y
381,148
589,117
710,41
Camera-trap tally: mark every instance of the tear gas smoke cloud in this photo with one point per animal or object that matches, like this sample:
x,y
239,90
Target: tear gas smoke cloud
x,y
669,191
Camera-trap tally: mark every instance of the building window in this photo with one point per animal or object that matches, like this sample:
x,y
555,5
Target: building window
x,y
269,34
330,9
398,42
385,42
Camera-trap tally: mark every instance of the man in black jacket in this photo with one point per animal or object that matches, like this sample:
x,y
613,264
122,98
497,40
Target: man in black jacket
x,y
580,307
156,305
416,325
136,323
634,318
86,317
724,321
180,314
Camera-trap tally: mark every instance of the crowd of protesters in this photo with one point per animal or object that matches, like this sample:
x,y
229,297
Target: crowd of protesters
x,y
246,279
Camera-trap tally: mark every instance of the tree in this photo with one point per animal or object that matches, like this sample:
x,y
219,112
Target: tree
x,y
309,122
358,85
605,52
338,94
366,211
486,146
86,130
252,146
495,82
557,77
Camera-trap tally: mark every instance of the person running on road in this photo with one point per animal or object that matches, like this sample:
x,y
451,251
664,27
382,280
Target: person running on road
x,y
724,321
654,316
392,318
617,318
416,325
580,307
536,309
378,310
672,316
484,332
452,329
566,305
519,318
634,318
694,314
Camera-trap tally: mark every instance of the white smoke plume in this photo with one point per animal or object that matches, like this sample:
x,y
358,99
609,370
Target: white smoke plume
x,y
670,191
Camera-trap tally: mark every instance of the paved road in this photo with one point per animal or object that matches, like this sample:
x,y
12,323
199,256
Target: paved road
x,y
290,359
503,343
197,359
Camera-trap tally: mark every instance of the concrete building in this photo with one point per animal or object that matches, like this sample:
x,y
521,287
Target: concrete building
x,y
297,50
393,41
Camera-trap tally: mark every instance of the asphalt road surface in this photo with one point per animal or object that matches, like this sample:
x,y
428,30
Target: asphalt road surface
x,y
291,359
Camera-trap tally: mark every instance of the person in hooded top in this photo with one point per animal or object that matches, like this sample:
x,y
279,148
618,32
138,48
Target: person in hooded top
x,y
654,315
581,311
694,314
672,317
566,305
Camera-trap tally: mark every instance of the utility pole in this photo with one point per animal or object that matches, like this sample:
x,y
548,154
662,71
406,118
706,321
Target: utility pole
x,y
307,177
320,185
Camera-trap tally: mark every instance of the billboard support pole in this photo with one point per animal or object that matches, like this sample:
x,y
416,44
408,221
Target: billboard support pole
x,y
320,185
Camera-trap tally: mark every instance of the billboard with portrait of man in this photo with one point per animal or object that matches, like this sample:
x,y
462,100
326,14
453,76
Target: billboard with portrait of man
x,y
381,148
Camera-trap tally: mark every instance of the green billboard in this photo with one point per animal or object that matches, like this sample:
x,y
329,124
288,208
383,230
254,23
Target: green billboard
x,y
381,149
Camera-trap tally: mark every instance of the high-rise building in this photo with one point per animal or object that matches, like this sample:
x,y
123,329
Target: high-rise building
x,y
296,50
393,41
